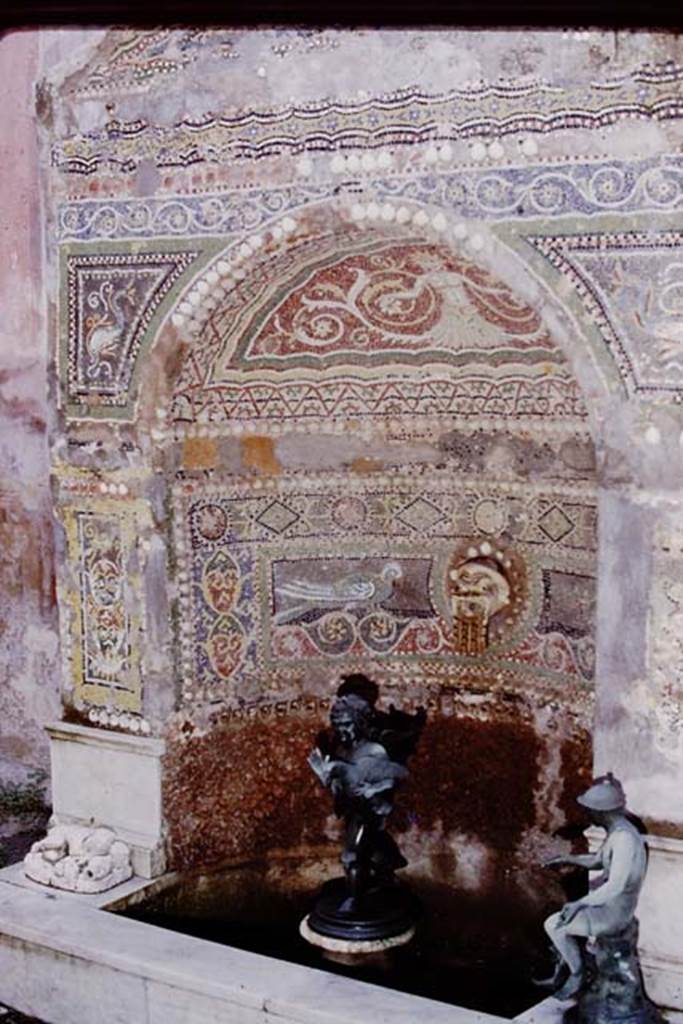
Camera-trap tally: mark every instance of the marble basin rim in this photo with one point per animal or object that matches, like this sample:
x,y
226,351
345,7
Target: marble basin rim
x,y
65,961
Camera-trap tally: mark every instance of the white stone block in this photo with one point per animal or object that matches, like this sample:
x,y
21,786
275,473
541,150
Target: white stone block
x,y
79,858
111,779
170,1005
64,989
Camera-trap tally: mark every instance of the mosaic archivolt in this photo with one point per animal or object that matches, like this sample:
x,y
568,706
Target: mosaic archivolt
x,y
293,577
114,314
339,325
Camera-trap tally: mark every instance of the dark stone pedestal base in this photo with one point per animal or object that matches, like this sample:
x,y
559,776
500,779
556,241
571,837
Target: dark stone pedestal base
x,y
380,913
614,993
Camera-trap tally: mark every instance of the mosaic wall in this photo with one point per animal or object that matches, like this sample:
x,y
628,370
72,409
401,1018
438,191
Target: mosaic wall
x,y
335,573
631,282
509,102
310,310
481,268
666,645
110,305
102,609
340,326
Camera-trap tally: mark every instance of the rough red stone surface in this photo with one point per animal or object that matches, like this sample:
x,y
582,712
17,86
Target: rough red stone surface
x,y
242,790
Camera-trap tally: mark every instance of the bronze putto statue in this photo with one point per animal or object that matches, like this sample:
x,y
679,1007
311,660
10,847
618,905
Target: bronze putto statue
x,y
361,762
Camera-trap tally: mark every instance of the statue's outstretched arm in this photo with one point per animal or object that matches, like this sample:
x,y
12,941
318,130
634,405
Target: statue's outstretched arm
x,y
579,860
322,765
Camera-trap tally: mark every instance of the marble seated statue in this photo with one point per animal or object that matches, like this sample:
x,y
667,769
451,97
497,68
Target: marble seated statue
x,y
595,936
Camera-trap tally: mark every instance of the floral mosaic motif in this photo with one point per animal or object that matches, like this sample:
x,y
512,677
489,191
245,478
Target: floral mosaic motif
x,y
221,638
103,608
347,579
220,582
105,637
225,645
211,521
111,302
402,299
355,325
632,285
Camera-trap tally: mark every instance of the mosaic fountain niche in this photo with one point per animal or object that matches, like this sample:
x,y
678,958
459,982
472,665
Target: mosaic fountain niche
x,y
362,453
377,460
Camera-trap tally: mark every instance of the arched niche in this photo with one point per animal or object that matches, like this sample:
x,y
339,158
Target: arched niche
x,y
278,496
241,281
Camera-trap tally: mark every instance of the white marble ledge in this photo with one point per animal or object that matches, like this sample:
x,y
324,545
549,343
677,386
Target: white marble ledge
x,y
665,844
78,933
124,742
549,1011
14,876
662,844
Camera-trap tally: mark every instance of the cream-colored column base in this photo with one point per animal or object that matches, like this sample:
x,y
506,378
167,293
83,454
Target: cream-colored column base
x,y
352,947
111,779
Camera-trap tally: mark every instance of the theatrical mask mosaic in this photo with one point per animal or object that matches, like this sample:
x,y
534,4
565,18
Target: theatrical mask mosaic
x,y
341,326
399,571
104,620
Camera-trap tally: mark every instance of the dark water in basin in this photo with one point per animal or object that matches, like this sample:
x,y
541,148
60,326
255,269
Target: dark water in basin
x,y
436,966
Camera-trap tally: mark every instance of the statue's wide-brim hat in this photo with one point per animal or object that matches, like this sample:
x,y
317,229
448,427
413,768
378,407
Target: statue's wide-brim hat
x,y
605,794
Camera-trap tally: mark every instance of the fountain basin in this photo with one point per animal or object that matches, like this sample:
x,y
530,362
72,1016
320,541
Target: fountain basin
x,y
64,958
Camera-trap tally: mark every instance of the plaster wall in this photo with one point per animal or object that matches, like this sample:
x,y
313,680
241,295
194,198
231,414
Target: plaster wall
x,y
29,641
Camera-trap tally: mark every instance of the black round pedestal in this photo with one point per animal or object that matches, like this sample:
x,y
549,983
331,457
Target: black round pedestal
x,y
378,914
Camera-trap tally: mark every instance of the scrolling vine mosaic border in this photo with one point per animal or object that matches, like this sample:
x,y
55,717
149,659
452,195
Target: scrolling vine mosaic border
x,y
541,190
